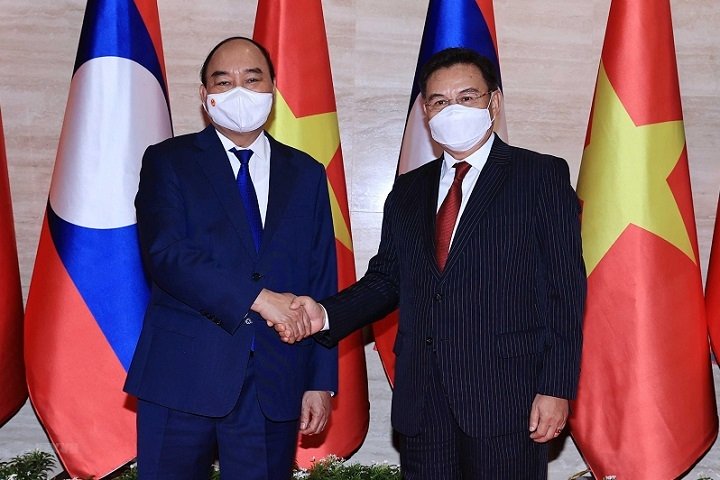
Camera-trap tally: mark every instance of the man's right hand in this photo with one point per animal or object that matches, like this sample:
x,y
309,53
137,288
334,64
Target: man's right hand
x,y
314,312
291,324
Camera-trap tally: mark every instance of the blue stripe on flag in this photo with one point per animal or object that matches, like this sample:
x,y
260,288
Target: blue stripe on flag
x,y
115,28
454,23
106,267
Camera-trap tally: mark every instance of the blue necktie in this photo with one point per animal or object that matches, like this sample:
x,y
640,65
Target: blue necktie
x,y
248,196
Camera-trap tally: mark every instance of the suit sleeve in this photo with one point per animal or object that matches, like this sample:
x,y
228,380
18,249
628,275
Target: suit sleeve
x,y
372,297
563,281
176,265
323,282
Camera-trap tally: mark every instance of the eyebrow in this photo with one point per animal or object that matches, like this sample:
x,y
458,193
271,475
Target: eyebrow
x,y
467,90
220,73
434,96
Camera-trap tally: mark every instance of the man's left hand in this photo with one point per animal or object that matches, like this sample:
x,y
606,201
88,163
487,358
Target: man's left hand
x,y
548,416
315,412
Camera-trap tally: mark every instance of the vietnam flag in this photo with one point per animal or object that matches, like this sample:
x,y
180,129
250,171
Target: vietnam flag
x,y
449,23
12,372
645,406
88,292
712,289
305,117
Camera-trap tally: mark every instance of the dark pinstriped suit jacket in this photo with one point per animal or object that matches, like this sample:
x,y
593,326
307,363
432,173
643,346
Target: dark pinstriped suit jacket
x,y
504,319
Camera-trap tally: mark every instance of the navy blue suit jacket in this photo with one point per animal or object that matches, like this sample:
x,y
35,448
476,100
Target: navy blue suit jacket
x,y
503,320
205,274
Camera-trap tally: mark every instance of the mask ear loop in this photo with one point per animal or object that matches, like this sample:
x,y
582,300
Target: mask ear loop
x,y
492,120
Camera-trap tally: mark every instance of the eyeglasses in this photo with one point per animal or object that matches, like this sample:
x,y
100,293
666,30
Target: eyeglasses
x,y
469,99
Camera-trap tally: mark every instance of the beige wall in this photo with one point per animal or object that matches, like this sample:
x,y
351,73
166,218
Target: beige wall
x,y
549,54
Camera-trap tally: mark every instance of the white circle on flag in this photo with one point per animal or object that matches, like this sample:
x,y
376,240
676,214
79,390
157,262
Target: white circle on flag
x,y
418,147
115,109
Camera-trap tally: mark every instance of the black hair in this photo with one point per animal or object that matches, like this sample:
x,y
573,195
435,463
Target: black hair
x,y
263,50
454,56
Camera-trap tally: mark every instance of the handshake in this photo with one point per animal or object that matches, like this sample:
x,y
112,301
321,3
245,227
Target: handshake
x,y
293,318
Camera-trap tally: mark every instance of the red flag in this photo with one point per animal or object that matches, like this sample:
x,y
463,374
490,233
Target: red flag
x,y
305,117
12,372
712,288
645,405
449,23
89,292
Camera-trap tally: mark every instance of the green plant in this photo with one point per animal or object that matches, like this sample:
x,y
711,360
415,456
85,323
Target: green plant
x,y
329,468
130,473
33,465
38,465
334,468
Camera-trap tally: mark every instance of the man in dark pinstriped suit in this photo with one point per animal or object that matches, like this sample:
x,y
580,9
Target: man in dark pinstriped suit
x,y
489,336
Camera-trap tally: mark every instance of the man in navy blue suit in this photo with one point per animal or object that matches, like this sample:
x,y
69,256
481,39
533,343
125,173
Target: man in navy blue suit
x,y
227,216
481,252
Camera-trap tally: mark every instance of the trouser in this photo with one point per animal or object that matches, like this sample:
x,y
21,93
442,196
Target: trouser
x,y
442,451
175,445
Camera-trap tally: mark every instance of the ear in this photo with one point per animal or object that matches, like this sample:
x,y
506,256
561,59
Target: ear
x,y
203,93
496,103
424,106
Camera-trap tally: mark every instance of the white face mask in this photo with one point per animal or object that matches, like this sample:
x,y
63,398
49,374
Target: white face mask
x,y
459,128
240,110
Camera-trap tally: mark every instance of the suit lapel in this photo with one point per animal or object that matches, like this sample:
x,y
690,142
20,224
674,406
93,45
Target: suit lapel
x,y
282,178
429,210
491,179
214,162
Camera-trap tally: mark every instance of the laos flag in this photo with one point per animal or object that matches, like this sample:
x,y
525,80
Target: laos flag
x,y
88,291
449,23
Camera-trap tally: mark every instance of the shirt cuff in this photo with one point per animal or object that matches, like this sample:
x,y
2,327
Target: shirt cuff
x,y
326,325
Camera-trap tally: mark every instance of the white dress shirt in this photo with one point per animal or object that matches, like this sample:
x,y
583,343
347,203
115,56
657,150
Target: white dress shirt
x,y
447,174
259,167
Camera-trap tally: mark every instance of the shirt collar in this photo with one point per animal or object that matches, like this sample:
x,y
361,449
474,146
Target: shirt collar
x,y
476,160
260,147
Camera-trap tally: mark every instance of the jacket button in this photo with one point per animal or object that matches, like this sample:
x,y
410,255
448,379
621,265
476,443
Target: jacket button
x,y
438,297
248,321
256,276
216,320
429,340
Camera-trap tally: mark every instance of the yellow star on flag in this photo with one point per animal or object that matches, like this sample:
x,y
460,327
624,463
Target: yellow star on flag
x,y
623,177
318,136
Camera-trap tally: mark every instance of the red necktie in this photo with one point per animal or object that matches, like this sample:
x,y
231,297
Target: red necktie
x,y
447,215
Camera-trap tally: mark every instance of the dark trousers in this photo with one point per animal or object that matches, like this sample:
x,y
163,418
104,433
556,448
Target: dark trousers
x,y
442,451
174,445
